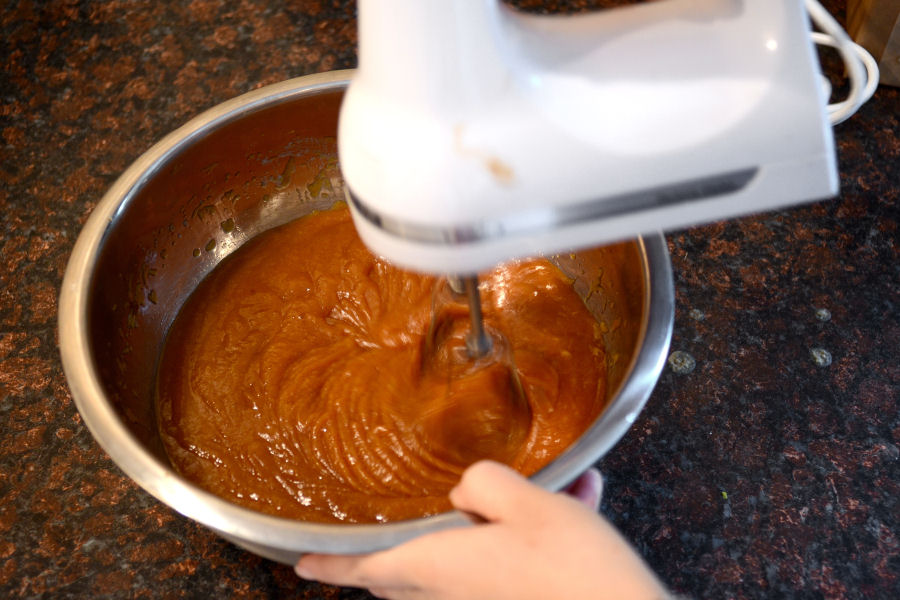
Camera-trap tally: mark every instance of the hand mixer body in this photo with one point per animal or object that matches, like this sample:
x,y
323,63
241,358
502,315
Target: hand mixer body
x,y
473,134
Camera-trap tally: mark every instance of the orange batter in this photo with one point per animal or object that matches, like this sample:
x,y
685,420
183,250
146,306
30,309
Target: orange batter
x,y
308,379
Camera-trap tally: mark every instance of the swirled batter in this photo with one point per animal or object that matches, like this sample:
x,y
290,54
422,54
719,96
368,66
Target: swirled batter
x,y
308,379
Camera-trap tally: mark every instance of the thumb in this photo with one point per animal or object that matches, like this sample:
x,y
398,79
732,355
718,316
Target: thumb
x,y
497,493
587,489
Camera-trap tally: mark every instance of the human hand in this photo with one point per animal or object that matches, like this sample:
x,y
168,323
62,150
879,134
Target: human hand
x,y
533,544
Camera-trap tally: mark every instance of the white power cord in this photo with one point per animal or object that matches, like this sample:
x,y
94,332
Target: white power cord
x,y
862,69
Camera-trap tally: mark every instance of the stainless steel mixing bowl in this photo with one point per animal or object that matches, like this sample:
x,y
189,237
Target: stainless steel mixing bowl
x,y
245,166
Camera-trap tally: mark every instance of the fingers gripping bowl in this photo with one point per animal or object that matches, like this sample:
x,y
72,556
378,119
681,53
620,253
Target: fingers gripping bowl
x,y
241,168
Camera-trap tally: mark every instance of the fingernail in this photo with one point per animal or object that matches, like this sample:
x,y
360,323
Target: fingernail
x,y
597,478
302,572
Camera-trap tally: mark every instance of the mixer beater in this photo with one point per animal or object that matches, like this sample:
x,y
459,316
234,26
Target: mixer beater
x,y
478,342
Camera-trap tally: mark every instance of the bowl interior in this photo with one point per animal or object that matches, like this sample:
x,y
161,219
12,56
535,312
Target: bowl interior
x,y
216,190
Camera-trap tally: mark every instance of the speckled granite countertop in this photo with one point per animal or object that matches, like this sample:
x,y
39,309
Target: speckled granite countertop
x,y
768,470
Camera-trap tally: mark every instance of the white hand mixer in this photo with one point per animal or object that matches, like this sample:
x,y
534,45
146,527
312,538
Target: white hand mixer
x,y
473,134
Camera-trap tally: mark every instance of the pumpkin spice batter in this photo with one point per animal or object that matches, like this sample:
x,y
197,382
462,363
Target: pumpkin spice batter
x,y
308,379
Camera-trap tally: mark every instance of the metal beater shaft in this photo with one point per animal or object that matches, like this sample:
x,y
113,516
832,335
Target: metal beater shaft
x,y
478,343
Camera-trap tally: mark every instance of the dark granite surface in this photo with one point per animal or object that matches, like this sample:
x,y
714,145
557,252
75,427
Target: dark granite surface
x,y
769,469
